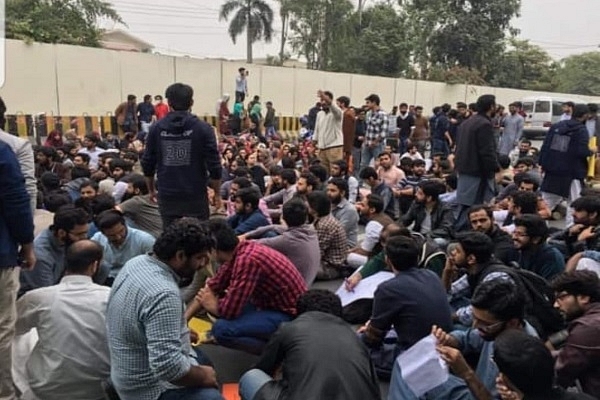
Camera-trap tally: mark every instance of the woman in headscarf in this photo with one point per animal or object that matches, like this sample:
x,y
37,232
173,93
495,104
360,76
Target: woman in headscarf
x,y
223,115
54,139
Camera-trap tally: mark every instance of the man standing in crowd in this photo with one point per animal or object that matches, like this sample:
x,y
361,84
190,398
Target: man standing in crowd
x,y
348,127
420,134
328,135
563,157
405,123
512,131
476,159
126,114
241,85
160,109
149,341
182,151
146,115
16,250
377,129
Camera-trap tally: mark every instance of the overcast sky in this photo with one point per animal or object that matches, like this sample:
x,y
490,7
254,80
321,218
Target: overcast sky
x,y
192,27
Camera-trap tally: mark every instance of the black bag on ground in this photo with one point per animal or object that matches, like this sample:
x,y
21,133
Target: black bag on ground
x,y
539,300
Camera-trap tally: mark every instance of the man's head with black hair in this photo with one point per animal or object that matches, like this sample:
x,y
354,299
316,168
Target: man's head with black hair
x,y
83,258
319,300
294,213
185,246
575,292
70,225
225,239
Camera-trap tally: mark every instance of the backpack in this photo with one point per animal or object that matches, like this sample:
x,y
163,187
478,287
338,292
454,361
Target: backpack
x,y
539,300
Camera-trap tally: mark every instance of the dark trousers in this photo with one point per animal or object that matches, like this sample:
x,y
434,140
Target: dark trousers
x,y
172,208
239,97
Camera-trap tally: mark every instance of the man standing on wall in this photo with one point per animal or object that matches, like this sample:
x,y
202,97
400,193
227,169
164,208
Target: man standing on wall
x,y
328,130
126,114
182,151
241,85
476,158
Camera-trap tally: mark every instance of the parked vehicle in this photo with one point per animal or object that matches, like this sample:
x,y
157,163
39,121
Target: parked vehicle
x,y
542,112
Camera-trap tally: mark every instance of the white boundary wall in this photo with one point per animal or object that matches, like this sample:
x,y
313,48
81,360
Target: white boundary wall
x,y
72,80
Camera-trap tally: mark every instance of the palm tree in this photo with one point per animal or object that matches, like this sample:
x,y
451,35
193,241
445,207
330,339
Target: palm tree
x,y
253,16
284,13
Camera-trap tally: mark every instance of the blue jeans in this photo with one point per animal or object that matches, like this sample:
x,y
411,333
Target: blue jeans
x,y
369,153
440,146
356,161
250,331
251,382
453,389
190,393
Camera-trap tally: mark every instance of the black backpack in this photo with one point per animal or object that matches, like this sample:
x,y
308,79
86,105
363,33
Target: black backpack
x,y
539,298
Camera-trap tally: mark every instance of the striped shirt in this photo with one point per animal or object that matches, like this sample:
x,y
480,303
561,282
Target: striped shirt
x,y
377,127
148,337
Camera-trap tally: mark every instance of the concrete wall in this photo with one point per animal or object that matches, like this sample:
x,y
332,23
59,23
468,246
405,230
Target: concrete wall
x,y
71,80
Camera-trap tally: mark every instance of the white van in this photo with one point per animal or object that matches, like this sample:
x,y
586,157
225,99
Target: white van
x,y
542,112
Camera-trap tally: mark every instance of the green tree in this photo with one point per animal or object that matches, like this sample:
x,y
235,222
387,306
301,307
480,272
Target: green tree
x,y
458,33
579,74
284,15
58,21
316,26
523,66
374,43
255,17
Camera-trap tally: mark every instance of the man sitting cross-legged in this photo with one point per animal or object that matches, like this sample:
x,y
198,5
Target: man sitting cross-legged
x,y
254,291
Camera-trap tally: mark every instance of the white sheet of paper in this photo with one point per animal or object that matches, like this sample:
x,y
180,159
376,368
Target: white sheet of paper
x,y
365,289
422,367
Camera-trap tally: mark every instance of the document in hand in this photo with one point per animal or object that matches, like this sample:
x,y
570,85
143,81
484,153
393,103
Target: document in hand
x,y
364,290
422,367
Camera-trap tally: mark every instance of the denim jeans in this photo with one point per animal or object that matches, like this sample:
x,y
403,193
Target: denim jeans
x,y
190,393
251,382
356,161
250,331
369,153
440,146
453,389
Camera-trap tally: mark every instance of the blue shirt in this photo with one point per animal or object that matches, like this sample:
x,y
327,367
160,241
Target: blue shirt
x,y
148,337
136,243
244,223
145,111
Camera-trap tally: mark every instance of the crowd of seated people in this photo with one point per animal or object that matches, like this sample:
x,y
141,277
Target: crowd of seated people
x,y
105,305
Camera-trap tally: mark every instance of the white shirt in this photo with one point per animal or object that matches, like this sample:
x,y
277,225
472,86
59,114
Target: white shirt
x,y
71,358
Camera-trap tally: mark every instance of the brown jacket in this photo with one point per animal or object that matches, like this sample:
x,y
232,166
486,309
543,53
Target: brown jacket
x,y
421,131
121,113
348,128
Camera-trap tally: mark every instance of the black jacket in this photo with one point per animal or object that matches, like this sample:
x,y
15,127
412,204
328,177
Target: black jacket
x,y
504,248
476,150
442,219
322,358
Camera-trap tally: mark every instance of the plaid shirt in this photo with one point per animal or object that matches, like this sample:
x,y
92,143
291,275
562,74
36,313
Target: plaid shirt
x,y
332,241
461,289
258,275
377,127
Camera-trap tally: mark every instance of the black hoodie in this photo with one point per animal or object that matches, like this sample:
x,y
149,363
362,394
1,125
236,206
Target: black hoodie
x,y
182,151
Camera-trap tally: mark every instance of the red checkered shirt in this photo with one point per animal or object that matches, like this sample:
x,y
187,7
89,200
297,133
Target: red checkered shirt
x,y
260,276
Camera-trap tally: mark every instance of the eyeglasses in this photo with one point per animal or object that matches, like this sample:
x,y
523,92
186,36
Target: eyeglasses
x,y
482,327
563,295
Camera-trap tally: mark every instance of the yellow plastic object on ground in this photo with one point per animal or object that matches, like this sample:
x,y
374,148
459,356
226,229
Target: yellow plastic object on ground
x,y
201,327
592,159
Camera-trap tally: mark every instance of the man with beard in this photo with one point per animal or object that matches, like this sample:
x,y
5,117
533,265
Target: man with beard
x,y
472,252
388,172
535,254
512,130
482,220
70,225
45,158
583,234
339,169
138,207
476,159
431,217
578,298
328,136
406,124
149,341
119,169
498,306
342,209
306,184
